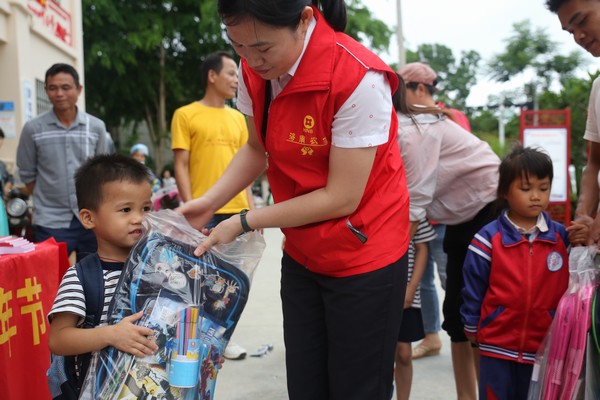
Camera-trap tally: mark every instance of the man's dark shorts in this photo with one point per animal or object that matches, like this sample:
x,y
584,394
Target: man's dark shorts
x,y
77,238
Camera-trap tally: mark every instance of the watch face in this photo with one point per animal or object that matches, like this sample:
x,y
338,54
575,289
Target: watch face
x,y
16,207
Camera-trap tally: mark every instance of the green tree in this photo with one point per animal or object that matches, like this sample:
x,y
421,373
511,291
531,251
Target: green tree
x,y
142,59
455,77
484,122
367,29
575,95
530,53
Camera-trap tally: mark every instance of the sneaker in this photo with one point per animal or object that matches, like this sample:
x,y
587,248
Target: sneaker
x,y
234,351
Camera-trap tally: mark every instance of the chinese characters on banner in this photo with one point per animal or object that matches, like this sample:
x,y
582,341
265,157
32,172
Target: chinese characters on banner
x,y
28,284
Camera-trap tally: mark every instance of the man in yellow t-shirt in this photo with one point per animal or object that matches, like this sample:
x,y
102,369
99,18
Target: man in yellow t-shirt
x,y
207,133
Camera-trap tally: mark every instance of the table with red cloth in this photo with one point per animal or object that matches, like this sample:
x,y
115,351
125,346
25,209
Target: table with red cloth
x,y
28,284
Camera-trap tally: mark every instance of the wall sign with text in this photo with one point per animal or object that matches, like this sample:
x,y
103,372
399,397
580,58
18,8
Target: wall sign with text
x,y
55,20
554,142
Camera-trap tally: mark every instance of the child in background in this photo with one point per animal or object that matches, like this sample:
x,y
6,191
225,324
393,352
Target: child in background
x,y
139,152
113,194
411,329
515,273
167,178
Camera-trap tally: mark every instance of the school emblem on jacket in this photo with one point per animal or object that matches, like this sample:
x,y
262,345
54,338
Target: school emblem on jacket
x,y
554,261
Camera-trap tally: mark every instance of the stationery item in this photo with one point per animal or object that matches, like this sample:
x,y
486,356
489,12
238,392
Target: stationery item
x,y
183,371
15,245
191,303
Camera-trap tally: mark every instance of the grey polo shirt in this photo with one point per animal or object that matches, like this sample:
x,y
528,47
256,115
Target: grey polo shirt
x,y
49,154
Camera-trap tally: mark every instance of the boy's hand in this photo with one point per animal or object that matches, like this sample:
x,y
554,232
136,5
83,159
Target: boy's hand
x,y
133,339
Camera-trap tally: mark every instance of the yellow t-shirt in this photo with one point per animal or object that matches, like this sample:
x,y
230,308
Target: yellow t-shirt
x,y
212,136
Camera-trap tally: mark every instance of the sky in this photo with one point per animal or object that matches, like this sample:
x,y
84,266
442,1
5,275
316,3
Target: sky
x,y
480,25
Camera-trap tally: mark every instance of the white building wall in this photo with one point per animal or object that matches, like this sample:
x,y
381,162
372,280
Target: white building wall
x,y
34,34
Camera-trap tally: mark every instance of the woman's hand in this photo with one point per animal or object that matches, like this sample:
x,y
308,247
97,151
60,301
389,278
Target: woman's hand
x,y
198,212
225,232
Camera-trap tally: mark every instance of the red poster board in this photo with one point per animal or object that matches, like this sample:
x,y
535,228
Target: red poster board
x,y
551,130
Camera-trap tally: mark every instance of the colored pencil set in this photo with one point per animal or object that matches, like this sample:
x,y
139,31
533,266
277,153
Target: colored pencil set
x,y
186,335
183,367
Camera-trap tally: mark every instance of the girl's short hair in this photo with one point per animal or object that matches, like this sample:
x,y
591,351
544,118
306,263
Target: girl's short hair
x,y
523,162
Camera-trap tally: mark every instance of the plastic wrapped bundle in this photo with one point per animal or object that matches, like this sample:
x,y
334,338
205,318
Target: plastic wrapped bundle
x,y
560,369
192,303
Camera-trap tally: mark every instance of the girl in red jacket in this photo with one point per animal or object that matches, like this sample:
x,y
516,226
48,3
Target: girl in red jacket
x,y
515,273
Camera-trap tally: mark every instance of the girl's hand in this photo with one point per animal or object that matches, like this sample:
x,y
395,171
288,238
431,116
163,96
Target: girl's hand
x,y
409,296
472,339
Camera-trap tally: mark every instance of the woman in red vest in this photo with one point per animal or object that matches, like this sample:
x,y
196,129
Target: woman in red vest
x,y
322,123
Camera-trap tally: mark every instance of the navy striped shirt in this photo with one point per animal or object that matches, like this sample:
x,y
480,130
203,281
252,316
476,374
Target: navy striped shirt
x,y
71,299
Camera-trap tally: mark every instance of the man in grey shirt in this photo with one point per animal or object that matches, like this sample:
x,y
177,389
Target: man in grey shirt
x,y
51,148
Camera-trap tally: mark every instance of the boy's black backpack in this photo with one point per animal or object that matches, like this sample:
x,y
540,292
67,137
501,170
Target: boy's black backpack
x,y
63,381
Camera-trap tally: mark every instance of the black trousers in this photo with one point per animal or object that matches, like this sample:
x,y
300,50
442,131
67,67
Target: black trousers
x,y
340,333
456,244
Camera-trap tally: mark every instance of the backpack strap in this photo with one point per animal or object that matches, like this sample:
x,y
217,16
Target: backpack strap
x,y
91,276
68,372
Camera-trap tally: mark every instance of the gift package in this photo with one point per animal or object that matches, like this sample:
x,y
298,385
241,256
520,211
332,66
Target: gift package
x,y
567,365
191,303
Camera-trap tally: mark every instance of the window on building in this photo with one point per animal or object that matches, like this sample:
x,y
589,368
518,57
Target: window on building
x,y
41,98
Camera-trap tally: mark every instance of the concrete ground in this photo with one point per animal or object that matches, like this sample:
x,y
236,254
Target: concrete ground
x,y
261,323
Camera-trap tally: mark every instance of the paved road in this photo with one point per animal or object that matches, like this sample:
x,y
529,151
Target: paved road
x,y
263,378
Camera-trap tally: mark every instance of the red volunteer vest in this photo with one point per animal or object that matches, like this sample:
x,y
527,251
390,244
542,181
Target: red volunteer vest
x,y
298,142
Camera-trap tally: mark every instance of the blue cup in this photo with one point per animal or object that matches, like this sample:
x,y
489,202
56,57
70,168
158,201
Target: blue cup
x,y
183,371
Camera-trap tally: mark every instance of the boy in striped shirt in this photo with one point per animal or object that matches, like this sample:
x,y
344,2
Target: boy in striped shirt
x,y
113,194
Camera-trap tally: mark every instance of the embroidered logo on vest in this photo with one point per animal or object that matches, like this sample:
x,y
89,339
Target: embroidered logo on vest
x,y
307,151
309,123
307,139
